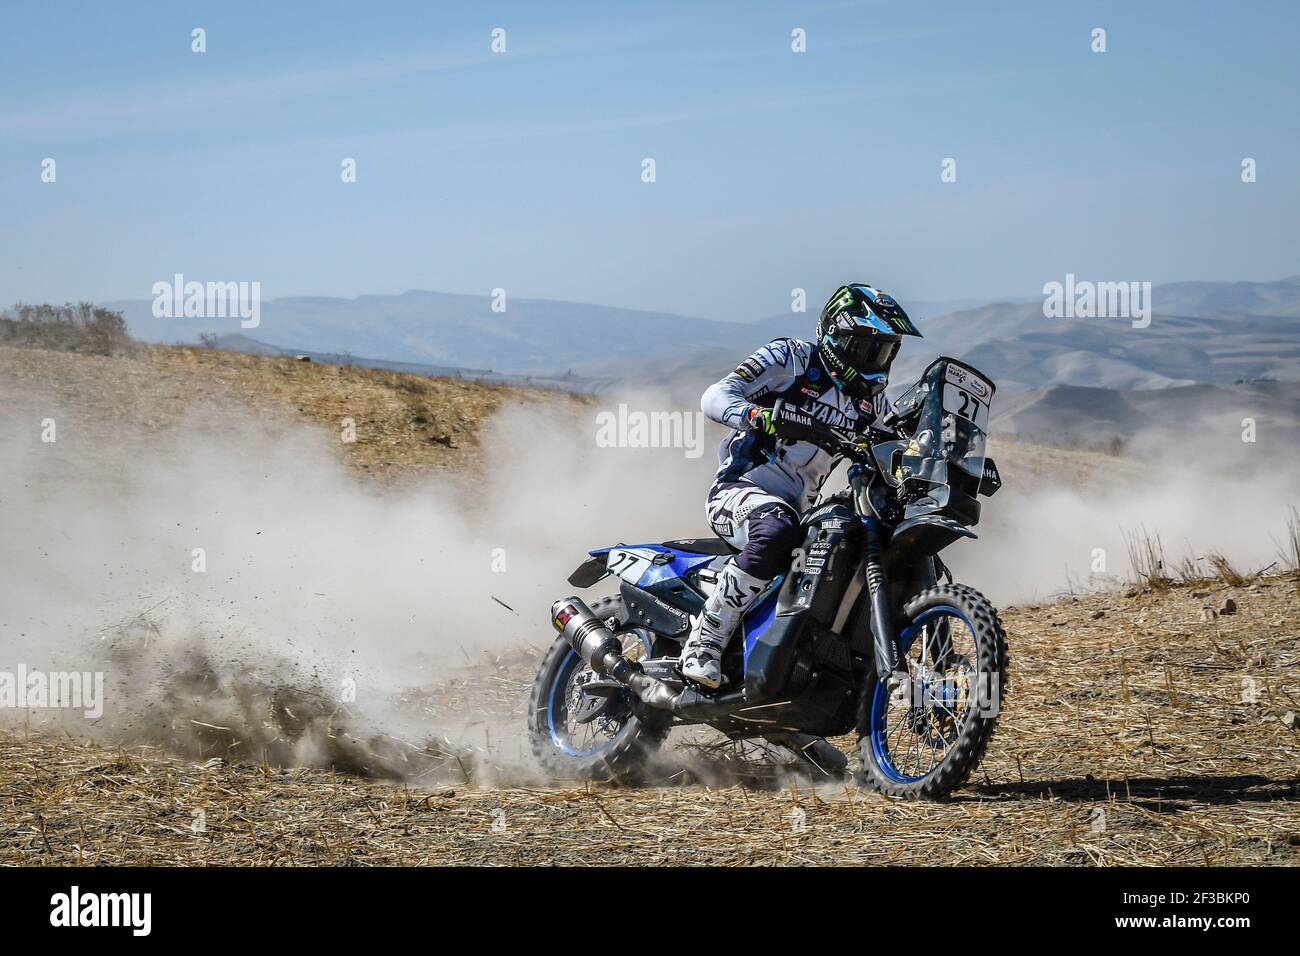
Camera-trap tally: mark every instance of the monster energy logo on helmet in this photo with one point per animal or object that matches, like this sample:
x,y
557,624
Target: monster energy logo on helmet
x,y
859,332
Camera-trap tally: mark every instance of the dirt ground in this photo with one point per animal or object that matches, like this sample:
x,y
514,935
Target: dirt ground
x,y
1153,726
1145,730
403,425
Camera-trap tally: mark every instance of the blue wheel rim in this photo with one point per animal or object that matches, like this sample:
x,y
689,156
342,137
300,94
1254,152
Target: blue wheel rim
x,y
880,698
555,705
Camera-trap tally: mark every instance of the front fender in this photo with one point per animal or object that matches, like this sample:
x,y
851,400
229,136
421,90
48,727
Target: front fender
x,y
927,534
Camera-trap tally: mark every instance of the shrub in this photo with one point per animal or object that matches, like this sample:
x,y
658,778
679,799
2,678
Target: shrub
x,y
83,327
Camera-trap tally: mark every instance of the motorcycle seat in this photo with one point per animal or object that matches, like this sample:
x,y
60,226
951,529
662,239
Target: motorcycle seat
x,y
701,546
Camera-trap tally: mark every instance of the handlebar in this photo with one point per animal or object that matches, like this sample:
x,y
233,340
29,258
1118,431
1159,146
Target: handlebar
x,y
793,424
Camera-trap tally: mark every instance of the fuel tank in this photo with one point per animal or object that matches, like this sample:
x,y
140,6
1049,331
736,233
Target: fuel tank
x,y
807,607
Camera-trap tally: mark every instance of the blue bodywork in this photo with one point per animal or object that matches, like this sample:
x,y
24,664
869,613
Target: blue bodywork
x,y
683,562
761,615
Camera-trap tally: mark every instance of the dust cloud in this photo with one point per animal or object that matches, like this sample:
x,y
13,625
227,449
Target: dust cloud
x,y
248,596
1191,499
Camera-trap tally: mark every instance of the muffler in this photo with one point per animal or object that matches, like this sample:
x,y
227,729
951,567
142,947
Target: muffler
x,y
603,651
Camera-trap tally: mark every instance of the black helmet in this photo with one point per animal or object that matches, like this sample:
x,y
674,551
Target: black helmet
x,y
858,333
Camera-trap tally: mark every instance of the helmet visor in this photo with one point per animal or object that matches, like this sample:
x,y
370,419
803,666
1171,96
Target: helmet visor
x,y
866,353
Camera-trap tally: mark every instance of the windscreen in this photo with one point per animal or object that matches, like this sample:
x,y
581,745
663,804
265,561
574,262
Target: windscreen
x,y
951,429
966,398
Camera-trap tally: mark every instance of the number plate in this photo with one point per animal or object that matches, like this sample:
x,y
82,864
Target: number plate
x,y
967,395
629,564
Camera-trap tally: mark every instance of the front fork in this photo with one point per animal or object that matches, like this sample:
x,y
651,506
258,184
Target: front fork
x,y
883,635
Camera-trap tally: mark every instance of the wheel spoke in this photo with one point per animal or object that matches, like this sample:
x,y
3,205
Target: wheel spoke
x,y
916,736
590,737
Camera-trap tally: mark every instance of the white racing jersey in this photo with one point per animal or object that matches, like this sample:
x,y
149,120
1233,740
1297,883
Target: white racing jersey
x,y
792,370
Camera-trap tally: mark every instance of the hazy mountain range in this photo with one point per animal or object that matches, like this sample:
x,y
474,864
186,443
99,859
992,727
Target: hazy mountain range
x,y
1201,416
1211,332
1072,378
532,336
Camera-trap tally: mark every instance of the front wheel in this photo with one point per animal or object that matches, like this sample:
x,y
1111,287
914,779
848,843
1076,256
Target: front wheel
x,y
616,743
920,742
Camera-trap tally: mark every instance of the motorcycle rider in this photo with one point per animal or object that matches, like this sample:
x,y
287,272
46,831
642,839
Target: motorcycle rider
x,y
764,483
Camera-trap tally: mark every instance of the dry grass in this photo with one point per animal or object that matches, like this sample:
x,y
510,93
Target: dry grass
x,y
1224,570
404,424
1290,548
84,327
1146,557
1156,727
1141,730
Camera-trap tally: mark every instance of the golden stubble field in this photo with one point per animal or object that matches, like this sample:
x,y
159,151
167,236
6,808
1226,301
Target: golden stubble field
x,y
1144,726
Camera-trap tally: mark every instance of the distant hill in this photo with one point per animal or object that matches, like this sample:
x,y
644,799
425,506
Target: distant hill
x,y
532,336
1078,417
1017,345
567,381
1280,298
1201,332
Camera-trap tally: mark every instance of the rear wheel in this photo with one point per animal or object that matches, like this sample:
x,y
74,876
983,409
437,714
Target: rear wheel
x,y
922,741
616,743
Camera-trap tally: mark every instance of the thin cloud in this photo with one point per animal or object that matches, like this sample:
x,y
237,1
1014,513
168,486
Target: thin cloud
x,y
142,102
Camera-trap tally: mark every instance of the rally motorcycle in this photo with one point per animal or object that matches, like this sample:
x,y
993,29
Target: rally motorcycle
x,y
859,634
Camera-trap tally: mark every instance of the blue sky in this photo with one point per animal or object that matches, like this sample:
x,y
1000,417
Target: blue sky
x,y
523,170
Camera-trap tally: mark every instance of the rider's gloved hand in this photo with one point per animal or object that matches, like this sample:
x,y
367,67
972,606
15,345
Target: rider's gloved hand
x,y
760,419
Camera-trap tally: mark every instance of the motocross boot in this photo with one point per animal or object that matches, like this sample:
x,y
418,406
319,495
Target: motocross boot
x,y
735,593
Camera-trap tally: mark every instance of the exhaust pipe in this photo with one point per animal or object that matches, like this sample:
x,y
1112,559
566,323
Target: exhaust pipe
x,y
596,644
